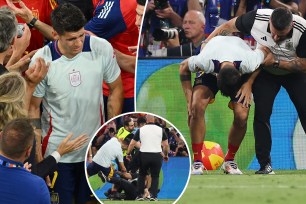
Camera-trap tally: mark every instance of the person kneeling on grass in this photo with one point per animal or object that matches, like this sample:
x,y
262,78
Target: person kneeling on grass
x,y
102,161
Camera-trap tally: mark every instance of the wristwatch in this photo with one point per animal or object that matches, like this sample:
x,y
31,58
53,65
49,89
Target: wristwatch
x,y
32,22
276,64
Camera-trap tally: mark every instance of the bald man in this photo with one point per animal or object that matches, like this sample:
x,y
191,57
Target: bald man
x,y
193,27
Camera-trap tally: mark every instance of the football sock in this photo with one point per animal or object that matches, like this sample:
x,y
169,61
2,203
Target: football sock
x,y
230,155
197,151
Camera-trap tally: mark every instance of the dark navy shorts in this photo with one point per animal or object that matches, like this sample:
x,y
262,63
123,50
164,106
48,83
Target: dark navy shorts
x,y
210,80
93,168
71,184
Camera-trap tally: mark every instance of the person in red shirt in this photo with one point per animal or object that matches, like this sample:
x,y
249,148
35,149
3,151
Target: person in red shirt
x,y
40,12
114,20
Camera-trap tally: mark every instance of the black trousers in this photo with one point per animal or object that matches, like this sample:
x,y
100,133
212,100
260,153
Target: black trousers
x,y
152,162
123,185
265,89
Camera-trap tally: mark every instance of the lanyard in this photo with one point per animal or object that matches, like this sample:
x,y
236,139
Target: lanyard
x,y
10,165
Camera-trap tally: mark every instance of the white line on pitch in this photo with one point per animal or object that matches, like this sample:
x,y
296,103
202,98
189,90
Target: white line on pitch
x,y
254,186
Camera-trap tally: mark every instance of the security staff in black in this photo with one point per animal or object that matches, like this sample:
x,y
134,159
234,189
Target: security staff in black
x,y
151,137
284,34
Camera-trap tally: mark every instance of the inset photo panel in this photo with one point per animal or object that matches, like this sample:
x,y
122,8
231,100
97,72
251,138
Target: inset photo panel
x,y
138,157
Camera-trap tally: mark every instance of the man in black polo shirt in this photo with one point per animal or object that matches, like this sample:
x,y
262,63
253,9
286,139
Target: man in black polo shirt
x,y
151,137
284,34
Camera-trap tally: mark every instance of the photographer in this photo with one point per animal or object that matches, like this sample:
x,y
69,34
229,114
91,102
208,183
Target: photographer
x,y
193,28
163,10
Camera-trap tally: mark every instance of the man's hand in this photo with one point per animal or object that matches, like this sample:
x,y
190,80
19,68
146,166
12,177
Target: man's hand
x,y
27,166
133,49
164,13
36,72
245,94
166,158
269,57
67,146
23,64
22,43
23,12
90,33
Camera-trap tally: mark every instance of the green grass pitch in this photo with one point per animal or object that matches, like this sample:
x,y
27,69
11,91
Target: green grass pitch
x,y
214,187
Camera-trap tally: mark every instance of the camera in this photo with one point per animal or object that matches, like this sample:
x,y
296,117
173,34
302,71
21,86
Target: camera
x,y
20,29
164,34
161,4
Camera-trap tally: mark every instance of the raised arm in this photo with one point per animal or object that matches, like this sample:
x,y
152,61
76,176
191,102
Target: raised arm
x,y
27,16
19,47
224,29
33,76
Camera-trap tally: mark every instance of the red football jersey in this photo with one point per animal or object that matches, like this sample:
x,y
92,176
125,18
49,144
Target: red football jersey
x,y
41,10
115,21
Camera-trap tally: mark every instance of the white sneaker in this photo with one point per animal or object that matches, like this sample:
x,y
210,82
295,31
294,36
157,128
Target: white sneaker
x,y
197,168
231,167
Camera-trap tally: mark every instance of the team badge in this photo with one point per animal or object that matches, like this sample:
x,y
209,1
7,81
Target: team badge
x,y
35,13
289,45
75,78
54,197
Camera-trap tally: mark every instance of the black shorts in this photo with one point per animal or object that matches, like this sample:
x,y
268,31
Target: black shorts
x,y
210,81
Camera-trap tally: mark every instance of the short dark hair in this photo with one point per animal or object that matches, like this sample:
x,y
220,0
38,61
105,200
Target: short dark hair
x,y
141,120
111,130
141,2
67,18
127,120
281,18
17,136
229,81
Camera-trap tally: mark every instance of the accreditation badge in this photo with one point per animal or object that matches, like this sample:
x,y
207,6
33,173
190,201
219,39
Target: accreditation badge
x,y
54,197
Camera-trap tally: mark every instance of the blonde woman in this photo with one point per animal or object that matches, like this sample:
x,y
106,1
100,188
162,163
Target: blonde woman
x,y
12,93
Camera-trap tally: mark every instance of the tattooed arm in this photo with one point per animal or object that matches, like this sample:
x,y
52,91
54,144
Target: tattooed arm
x,y
295,65
225,29
243,24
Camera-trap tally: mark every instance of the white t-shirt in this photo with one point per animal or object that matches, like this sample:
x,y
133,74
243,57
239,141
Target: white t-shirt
x,y
72,93
226,48
150,137
109,152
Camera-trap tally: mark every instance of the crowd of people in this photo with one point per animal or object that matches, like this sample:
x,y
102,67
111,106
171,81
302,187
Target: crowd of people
x,y
133,142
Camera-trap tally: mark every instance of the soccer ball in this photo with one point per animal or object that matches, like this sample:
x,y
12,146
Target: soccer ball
x,y
212,155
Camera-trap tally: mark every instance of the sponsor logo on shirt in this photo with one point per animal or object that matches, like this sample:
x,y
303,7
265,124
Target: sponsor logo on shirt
x,y
106,9
264,38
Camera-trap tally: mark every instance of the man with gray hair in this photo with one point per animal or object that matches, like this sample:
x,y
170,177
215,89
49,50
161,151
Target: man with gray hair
x,y
8,30
193,28
14,41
